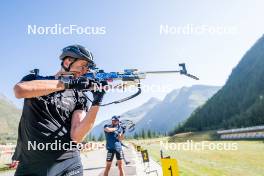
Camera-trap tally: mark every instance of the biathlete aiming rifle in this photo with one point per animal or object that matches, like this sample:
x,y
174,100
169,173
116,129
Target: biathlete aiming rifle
x,y
128,77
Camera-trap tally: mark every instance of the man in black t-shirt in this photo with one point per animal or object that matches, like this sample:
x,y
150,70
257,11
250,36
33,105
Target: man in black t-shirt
x,y
55,117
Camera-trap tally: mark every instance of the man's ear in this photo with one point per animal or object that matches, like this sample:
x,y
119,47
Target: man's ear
x,y
67,61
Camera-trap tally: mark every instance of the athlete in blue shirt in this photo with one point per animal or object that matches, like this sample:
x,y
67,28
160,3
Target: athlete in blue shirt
x,y
114,134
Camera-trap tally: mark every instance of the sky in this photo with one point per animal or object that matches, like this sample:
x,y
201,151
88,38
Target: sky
x,y
131,38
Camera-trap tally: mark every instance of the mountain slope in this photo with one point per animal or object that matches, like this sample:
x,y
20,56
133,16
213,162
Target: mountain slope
x,y
9,117
175,108
240,102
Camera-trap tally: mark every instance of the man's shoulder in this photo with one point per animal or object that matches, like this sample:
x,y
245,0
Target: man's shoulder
x,y
31,77
107,125
28,77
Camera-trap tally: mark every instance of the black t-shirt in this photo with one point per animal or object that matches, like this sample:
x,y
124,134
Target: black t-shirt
x,y
45,124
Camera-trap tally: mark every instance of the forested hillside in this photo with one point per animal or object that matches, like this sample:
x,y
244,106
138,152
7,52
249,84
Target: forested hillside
x,y
240,102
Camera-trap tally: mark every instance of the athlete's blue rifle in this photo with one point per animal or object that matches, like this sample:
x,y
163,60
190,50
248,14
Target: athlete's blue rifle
x,y
130,76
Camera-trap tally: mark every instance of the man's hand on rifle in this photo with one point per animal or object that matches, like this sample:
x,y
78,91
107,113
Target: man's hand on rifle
x,y
83,83
98,94
80,83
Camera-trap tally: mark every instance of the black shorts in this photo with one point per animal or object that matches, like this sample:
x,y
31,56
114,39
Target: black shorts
x,y
67,167
111,153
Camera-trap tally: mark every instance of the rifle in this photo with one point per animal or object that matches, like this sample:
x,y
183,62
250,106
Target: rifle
x,y
128,76
127,125
132,74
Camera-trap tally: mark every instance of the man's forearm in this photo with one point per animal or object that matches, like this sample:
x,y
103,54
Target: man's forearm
x,y
109,130
36,88
85,125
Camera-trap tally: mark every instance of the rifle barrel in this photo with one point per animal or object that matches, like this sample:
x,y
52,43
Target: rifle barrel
x,y
162,72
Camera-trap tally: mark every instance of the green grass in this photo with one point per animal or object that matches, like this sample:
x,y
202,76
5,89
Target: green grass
x,y
247,160
3,166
